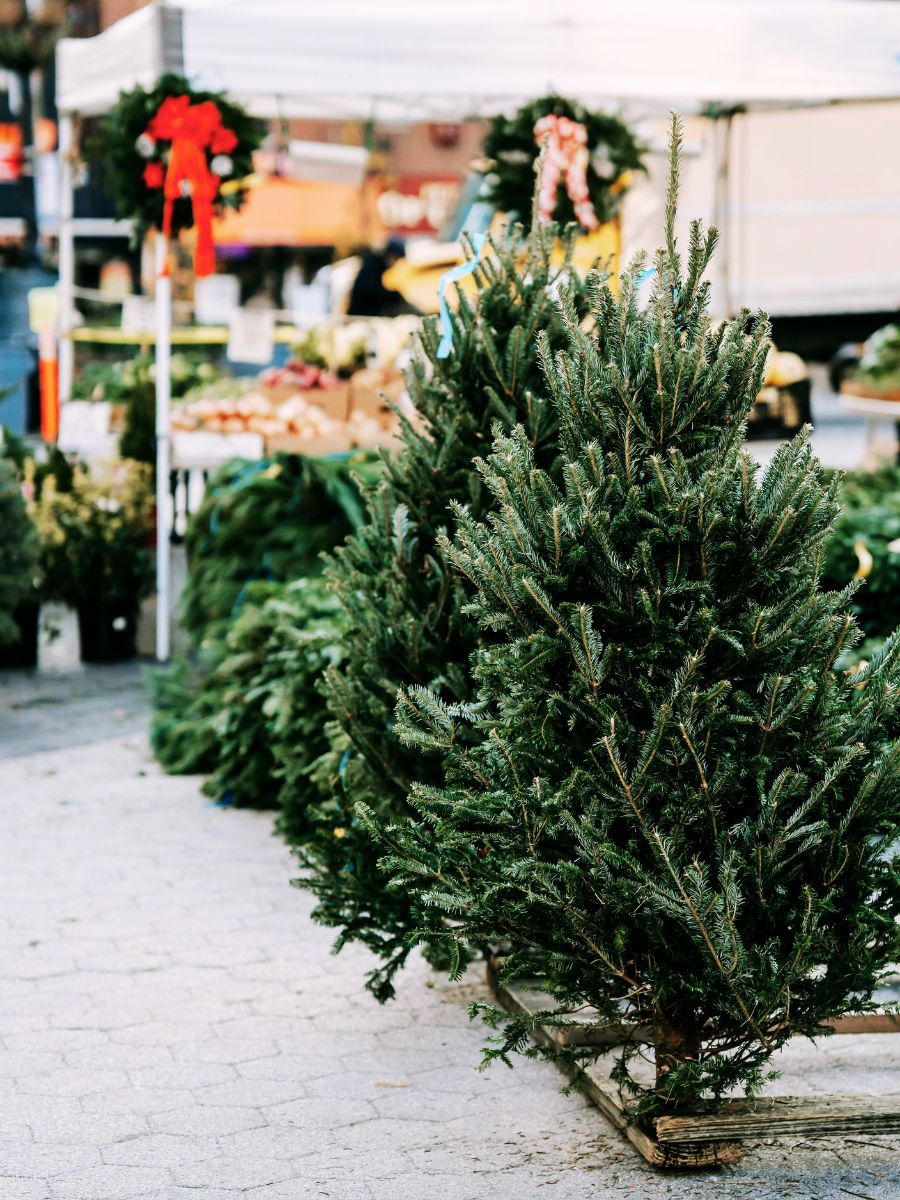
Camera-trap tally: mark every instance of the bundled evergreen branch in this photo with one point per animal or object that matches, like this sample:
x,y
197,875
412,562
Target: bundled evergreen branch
x,y
270,719
244,708
665,794
249,714
185,705
268,521
403,606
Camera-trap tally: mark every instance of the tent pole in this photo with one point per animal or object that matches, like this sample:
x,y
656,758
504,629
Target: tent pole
x,y
163,395
66,252
721,301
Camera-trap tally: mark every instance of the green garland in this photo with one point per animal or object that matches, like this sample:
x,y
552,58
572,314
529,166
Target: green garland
x,y
122,165
512,150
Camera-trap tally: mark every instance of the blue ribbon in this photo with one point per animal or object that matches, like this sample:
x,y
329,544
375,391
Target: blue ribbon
x,y
643,276
245,476
452,276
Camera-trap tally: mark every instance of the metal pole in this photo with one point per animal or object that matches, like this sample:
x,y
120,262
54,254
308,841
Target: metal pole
x,y
66,257
163,394
721,300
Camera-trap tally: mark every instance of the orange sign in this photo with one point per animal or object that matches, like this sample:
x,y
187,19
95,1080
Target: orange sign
x,y
10,153
283,212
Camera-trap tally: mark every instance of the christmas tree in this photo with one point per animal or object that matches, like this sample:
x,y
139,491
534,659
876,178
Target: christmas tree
x,y
666,795
402,605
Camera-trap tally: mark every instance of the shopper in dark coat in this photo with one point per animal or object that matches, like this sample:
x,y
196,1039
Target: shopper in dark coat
x,y
368,296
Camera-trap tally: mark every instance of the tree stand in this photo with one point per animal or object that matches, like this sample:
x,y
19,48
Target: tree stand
x,y
709,1134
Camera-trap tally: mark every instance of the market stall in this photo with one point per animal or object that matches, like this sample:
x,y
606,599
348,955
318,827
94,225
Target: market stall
x,y
281,61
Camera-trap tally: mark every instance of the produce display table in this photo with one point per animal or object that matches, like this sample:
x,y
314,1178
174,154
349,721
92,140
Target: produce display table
x,y
877,409
202,451
188,335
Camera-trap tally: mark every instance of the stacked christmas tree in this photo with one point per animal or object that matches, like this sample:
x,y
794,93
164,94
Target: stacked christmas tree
x,y
403,606
662,792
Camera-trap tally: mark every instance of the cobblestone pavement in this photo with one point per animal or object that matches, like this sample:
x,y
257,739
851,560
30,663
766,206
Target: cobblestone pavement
x,y
172,1024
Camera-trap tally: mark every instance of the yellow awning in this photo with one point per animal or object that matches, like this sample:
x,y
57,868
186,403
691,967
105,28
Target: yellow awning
x,y
418,281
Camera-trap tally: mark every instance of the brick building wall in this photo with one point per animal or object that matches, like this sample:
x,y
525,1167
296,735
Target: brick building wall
x,y
113,10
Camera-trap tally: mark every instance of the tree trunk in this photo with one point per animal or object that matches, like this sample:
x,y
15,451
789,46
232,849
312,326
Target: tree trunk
x,y
677,1041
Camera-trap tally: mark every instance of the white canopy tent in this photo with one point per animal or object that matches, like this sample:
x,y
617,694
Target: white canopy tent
x,y
403,60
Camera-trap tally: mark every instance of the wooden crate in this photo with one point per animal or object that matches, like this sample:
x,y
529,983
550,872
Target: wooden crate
x,y
334,401
295,443
852,387
371,391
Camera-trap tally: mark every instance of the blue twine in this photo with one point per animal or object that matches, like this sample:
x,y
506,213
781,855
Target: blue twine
x,y
644,275
453,276
242,479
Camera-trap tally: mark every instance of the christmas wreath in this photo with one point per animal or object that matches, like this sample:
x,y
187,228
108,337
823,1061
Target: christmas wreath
x,y
586,166
172,156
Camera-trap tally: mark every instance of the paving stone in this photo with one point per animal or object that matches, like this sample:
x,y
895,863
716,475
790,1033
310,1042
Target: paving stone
x,y
272,1140
251,1093
39,1160
231,1172
160,1033
198,1121
131,1059
77,1128
22,1022
23,1064
64,1040
233,1051
107,1182
406,1189
133,1100
25,1189
183,1076
307,1067
320,1189
415,1104
179,1193
323,1113
69,1081
161,1150
394,1134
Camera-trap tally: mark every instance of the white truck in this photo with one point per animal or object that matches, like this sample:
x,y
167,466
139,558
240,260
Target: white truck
x,y
809,207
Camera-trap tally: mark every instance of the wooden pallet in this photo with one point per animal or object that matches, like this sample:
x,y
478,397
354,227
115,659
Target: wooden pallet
x,y
527,997
711,1135
784,1116
867,1023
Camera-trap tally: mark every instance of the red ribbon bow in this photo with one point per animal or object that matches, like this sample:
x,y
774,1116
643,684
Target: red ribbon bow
x,y
192,129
